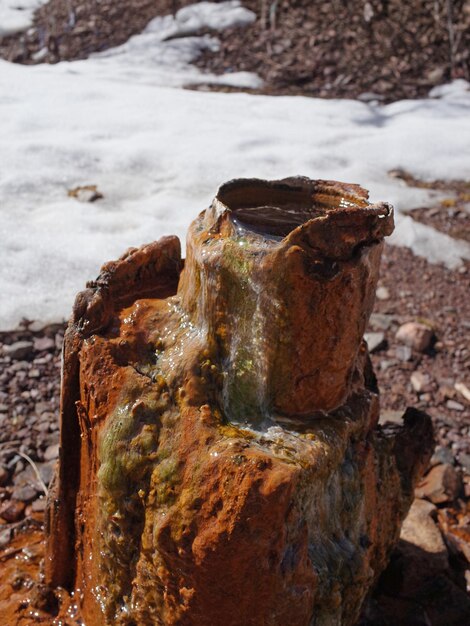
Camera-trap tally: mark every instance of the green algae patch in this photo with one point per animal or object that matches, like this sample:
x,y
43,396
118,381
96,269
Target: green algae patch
x,y
128,451
164,480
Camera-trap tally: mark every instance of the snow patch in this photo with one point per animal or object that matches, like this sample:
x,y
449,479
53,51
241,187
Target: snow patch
x,y
17,15
425,241
453,90
162,53
196,17
158,155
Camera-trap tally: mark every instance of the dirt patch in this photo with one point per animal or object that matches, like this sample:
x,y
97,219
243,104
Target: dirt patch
x,y
381,49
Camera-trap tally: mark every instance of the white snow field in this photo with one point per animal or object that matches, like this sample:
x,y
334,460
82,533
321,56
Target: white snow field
x,y
16,15
158,153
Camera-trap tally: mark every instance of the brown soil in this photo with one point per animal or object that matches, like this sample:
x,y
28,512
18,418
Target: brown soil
x,y
420,291
382,49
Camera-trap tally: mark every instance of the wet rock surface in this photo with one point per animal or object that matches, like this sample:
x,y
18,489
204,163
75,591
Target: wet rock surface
x,y
24,420
192,472
417,290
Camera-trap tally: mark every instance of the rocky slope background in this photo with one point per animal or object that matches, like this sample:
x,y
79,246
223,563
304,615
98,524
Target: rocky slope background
x,y
419,332
378,49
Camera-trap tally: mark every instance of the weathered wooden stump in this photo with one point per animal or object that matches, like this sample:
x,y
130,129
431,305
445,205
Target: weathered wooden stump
x,y
220,460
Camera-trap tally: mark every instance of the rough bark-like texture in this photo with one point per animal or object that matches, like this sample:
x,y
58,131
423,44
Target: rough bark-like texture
x,y
221,461
152,270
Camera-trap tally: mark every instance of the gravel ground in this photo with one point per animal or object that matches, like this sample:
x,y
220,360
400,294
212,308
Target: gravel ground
x,y
377,49
411,289
29,428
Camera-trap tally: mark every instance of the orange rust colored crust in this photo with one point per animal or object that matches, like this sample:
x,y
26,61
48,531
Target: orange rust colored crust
x,y
166,511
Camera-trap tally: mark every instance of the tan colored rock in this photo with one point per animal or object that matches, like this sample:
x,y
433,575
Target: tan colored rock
x,y
19,351
375,341
420,530
419,381
463,390
415,335
454,406
441,484
383,293
220,459
389,416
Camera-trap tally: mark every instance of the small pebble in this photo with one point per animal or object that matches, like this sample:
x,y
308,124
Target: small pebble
x,y
375,341
463,390
390,416
453,405
52,452
39,505
441,484
5,536
12,510
383,293
381,321
19,350
403,353
419,381
25,494
44,343
415,335
442,456
464,460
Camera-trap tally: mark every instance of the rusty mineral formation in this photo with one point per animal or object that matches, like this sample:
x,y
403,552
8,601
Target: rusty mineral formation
x,y
221,463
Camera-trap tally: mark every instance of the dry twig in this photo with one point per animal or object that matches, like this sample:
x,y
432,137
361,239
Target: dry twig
x,y
33,465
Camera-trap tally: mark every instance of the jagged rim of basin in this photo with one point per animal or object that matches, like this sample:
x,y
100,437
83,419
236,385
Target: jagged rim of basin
x,y
279,208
